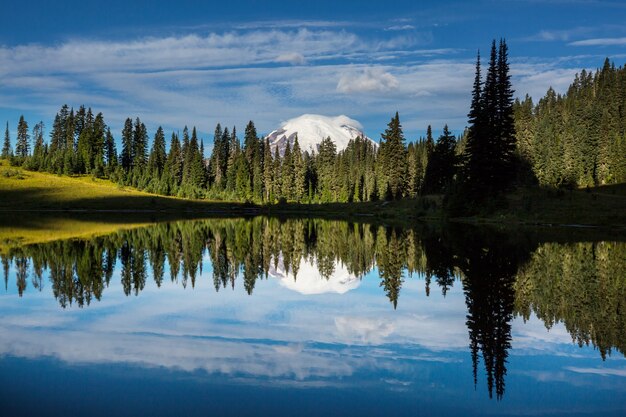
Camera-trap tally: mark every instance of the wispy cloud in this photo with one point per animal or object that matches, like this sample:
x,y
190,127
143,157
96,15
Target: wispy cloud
x,y
564,35
400,27
372,79
294,58
266,75
600,42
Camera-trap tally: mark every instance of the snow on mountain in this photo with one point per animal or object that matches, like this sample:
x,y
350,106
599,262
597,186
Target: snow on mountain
x,y
309,280
312,129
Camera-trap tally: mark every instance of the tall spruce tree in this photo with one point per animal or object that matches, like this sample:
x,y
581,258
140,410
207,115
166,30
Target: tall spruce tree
x,y
7,152
490,145
156,160
393,160
442,165
504,140
22,146
299,172
173,166
110,151
268,172
37,162
197,170
126,157
140,145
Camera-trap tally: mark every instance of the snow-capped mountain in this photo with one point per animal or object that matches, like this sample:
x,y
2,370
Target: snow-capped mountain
x,y
311,129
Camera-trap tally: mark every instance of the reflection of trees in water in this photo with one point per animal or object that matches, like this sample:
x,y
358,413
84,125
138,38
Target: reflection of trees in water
x,y
579,284
489,266
582,285
488,263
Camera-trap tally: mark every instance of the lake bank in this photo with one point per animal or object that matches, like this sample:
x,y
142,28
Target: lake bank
x,y
26,193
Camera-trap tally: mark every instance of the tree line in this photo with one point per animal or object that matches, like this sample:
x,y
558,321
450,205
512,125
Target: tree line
x,y
243,170
577,140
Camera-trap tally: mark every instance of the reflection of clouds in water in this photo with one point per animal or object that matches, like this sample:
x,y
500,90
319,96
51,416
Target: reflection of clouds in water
x,y
231,333
239,359
279,333
169,327
621,372
213,355
310,281
363,329
531,337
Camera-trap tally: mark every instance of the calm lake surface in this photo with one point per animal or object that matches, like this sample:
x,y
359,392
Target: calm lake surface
x,y
310,317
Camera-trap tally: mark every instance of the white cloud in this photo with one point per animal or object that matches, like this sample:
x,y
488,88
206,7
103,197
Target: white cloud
x,y
551,35
600,42
257,75
230,49
293,58
400,27
370,80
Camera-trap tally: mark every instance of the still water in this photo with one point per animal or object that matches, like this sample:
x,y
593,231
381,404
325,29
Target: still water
x,y
310,317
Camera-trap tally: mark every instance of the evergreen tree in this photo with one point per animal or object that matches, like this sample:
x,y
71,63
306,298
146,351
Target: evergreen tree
x,y
276,175
173,166
299,172
504,140
219,158
7,152
110,151
156,160
325,164
234,149
197,170
393,159
442,165
126,158
37,162
490,144
23,146
286,174
140,145
268,172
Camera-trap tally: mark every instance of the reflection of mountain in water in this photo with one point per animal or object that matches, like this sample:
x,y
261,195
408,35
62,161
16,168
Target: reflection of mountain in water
x,y
579,284
307,279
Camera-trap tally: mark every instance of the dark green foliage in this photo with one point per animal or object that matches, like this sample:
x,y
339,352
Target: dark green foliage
x,y
7,152
110,151
392,161
577,139
23,146
490,144
126,158
442,164
173,170
38,159
156,160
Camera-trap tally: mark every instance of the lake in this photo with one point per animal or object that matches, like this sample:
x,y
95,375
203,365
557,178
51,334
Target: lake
x,y
261,316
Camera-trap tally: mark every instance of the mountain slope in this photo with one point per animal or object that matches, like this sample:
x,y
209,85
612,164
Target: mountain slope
x,y
311,129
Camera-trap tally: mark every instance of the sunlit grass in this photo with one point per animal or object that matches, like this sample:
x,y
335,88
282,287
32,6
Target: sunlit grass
x,y
35,192
20,231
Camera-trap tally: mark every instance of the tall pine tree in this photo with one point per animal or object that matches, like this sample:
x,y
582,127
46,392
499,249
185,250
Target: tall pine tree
x,y
7,152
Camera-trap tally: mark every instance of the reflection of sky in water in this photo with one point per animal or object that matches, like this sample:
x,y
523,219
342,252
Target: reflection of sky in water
x,y
344,341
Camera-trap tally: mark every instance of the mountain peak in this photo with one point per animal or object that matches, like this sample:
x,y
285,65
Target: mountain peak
x,y
311,129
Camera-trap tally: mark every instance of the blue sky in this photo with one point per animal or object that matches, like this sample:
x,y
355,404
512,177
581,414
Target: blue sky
x,y
197,63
